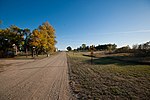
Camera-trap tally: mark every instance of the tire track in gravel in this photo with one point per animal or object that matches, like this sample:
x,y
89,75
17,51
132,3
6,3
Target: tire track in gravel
x,y
54,89
27,82
45,79
18,80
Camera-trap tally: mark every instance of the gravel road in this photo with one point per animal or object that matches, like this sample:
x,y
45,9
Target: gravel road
x,y
45,79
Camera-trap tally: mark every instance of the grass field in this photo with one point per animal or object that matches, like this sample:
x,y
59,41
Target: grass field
x,y
108,78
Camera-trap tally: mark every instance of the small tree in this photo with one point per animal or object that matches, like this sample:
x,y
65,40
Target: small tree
x,y
125,49
69,48
83,46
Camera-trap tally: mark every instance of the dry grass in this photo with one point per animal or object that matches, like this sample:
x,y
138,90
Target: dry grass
x,y
30,57
108,78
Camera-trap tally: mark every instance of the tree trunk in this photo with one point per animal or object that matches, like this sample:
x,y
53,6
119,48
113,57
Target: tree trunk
x,y
47,54
26,52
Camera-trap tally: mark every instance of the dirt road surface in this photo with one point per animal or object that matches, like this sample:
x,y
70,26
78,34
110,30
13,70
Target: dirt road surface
x,y
45,79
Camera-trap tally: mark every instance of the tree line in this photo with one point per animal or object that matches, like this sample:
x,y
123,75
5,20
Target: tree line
x,y
104,47
142,49
14,40
137,49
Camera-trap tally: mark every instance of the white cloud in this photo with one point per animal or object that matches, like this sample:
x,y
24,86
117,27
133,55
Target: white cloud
x,y
136,31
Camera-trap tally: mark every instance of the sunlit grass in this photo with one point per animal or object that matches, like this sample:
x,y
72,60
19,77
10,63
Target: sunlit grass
x,y
108,78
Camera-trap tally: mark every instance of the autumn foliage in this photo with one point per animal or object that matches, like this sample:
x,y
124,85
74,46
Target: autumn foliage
x,y
43,38
17,40
9,38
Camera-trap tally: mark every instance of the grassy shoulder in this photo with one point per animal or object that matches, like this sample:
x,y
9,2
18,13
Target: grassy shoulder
x,y
108,78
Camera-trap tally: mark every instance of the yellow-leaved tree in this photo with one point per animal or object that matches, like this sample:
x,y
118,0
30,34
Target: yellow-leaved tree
x,y
43,39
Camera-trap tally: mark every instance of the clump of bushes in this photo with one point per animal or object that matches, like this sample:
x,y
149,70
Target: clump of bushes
x,y
142,49
125,49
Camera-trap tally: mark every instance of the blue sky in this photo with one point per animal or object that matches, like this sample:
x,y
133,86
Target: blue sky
x,y
123,22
